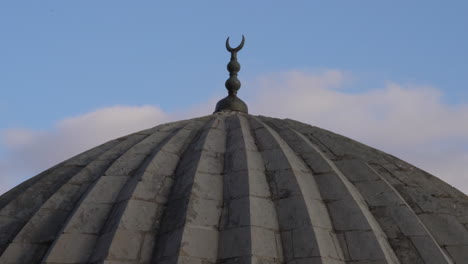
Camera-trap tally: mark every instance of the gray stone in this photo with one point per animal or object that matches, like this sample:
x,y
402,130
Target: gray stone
x,y
237,213
332,187
378,193
164,163
362,245
237,184
89,218
265,139
119,149
208,186
236,160
21,253
407,221
458,253
405,250
445,229
150,186
203,212
263,213
147,145
347,215
140,215
178,141
211,162
275,160
284,184
126,165
215,141
43,227
327,244
72,248
147,248
206,249
356,170
91,172
318,214
307,184
429,251
235,242
287,244
125,245
316,162
264,242
305,243
107,189
292,213
66,197
258,185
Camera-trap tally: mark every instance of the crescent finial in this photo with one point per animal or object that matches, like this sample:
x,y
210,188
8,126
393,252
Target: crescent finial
x,y
228,47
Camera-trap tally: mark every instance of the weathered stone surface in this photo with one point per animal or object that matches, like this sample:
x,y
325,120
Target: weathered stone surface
x,y
78,247
347,216
89,218
264,244
107,189
125,245
43,227
139,215
378,193
429,251
362,246
21,253
192,246
458,253
235,242
445,229
234,188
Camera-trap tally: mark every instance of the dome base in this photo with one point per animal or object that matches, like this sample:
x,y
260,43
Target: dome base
x,y
231,103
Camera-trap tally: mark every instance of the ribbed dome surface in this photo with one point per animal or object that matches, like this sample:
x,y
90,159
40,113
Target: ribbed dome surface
x,y
234,188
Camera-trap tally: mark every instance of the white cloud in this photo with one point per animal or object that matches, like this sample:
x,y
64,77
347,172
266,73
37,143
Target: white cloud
x,y
33,151
409,121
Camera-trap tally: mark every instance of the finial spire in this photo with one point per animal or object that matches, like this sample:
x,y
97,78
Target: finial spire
x,y
232,102
233,84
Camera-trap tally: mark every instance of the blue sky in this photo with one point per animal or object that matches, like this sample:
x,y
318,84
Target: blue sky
x,y
63,59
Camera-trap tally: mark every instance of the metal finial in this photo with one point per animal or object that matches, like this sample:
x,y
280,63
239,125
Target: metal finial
x,y
241,45
232,102
233,84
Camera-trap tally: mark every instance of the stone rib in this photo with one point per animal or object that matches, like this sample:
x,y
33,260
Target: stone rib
x,y
409,237
19,205
79,235
391,210
306,229
360,234
137,217
249,231
422,191
194,206
36,236
434,209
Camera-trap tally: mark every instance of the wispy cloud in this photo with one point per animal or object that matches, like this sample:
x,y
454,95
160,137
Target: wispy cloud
x,y
409,121
30,151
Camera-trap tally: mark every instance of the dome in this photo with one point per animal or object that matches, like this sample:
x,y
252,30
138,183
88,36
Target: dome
x,y
234,188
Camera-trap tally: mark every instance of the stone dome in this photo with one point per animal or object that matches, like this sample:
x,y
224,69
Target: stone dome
x,y
234,188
